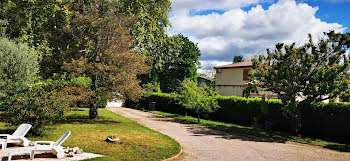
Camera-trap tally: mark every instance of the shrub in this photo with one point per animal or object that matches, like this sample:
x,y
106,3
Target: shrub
x,y
198,100
325,120
18,67
39,105
102,101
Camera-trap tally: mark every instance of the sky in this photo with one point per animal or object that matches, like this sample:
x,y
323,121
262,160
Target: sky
x,y
225,28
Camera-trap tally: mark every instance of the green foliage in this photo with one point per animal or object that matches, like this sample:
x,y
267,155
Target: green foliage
x,y
102,101
321,120
40,105
173,62
151,21
3,26
37,22
151,87
197,99
256,132
18,67
313,72
237,59
102,51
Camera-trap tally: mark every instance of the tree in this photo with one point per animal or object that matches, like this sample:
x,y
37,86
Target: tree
x,y
238,59
103,48
179,61
304,75
18,67
151,21
200,100
40,24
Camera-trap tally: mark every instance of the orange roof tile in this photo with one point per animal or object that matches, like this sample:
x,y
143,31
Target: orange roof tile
x,y
236,65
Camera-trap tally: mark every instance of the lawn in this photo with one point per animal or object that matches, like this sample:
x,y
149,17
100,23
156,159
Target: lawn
x,y
249,131
138,142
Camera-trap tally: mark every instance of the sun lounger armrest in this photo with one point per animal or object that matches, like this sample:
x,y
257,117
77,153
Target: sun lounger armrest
x,y
41,142
4,135
16,137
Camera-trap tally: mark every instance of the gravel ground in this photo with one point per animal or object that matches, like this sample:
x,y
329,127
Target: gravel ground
x,y
200,143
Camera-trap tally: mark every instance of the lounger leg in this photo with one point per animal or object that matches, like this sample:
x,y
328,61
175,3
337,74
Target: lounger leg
x,y
32,155
10,157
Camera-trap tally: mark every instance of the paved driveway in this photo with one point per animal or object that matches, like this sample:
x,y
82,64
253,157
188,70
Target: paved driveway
x,y
200,143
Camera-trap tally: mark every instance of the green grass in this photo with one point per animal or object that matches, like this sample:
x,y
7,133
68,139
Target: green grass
x,y
138,142
257,133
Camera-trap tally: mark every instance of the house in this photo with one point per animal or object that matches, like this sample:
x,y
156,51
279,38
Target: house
x,y
231,80
203,80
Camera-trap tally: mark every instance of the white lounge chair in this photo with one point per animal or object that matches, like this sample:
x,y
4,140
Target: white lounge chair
x,y
17,137
55,147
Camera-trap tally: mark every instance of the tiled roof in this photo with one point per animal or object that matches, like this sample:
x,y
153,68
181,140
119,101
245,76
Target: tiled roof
x,y
204,77
236,65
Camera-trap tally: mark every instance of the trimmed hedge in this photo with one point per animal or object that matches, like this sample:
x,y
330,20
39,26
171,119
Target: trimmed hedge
x,y
325,120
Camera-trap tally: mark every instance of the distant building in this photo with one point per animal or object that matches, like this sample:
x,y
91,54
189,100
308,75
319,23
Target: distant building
x,y
232,78
203,80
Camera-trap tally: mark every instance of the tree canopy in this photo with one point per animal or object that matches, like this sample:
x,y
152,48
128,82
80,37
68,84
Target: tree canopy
x,y
304,75
179,61
237,59
103,51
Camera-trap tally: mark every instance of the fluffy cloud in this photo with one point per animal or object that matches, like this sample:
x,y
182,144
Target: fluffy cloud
x,y
248,33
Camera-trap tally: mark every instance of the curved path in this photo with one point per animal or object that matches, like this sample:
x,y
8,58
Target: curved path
x,y
200,143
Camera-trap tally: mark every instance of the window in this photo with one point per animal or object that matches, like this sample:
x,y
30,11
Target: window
x,y
218,70
246,74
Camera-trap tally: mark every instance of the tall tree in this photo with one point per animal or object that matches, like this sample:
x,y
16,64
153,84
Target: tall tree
x,y
304,75
151,21
104,50
179,61
237,59
39,23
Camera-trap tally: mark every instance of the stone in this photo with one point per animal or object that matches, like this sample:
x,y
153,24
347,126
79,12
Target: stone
x,y
31,143
66,150
80,151
114,140
75,149
70,154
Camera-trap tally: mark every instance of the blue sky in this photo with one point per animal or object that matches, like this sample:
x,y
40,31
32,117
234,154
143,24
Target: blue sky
x,y
328,10
225,28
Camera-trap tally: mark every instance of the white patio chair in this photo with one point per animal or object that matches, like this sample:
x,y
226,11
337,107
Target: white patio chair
x,y
55,147
17,137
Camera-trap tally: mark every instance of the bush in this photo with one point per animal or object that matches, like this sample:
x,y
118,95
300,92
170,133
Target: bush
x,y
325,120
18,67
102,101
39,105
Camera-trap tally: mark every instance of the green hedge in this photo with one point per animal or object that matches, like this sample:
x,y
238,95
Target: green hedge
x,y
325,120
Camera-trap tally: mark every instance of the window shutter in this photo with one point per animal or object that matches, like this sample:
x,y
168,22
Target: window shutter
x,y
245,74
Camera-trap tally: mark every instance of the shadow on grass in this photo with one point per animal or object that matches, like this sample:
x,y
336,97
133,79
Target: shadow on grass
x,y
79,119
341,148
230,131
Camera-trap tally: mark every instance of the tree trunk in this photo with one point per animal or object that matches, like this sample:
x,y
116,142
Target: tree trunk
x,y
296,123
93,112
199,118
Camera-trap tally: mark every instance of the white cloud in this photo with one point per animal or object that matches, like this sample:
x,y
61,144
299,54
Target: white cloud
x,y
248,33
